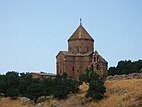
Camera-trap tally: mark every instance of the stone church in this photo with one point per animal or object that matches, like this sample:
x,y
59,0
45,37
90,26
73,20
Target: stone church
x,y
80,56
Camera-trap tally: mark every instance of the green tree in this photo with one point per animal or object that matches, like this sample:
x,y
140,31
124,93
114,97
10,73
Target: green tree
x,y
34,91
63,86
13,93
72,85
96,90
96,84
3,85
48,86
126,67
25,81
139,65
112,71
12,79
60,89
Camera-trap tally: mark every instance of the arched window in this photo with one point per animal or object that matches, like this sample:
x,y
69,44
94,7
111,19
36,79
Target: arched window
x,y
98,67
94,59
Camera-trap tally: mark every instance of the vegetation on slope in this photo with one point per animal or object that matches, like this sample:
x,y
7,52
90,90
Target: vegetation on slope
x,y
14,85
119,93
96,88
126,67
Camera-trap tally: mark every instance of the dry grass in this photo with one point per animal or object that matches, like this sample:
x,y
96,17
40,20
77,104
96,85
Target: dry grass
x,y
120,93
7,102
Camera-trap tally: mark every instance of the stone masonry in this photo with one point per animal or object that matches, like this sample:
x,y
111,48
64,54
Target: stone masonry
x,y
80,56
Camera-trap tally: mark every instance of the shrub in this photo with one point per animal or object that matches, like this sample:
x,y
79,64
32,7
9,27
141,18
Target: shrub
x,y
96,85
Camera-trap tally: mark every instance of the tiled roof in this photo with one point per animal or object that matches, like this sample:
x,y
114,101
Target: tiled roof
x,y
80,33
44,74
102,59
67,53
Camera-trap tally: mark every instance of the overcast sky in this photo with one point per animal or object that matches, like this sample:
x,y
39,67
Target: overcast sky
x,y
32,32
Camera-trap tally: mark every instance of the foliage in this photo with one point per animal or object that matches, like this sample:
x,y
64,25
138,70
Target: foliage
x,y
12,79
12,92
63,86
96,84
25,81
34,91
96,90
3,85
126,67
48,86
14,84
60,89
9,83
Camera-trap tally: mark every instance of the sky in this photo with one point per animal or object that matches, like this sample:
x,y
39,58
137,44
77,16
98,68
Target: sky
x,y
32,32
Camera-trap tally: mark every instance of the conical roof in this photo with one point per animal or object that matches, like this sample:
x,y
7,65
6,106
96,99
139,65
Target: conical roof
x,y
80,33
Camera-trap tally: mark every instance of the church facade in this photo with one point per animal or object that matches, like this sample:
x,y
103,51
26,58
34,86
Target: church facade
x,y
80,56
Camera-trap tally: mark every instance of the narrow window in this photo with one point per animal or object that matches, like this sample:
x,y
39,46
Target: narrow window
x,y
70,49
97,58
73,68
77,48
98,67
73,73
87,48
92,68
94,59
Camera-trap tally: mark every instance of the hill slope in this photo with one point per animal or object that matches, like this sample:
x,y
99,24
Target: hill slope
x,y
120,93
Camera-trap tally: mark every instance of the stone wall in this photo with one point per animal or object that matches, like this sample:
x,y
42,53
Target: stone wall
x,y
76,65
60,64
80,46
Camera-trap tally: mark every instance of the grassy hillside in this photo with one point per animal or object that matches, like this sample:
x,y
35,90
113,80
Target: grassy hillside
x,y
120,93
123,93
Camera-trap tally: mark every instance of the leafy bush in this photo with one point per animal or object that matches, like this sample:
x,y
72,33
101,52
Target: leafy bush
x,y
12,84
96,85
13,93
34,91
126,67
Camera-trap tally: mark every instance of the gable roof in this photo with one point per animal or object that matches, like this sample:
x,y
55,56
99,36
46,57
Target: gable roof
x,y
80,33
102,59
67,53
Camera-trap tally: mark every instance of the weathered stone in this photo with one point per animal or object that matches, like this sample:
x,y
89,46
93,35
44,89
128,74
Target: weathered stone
x,y
24,100
80,56
39,105
109,77
43,98
1,94
124,77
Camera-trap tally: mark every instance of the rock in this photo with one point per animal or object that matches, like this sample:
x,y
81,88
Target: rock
x,y
124,77
109,77
140,75
138,98
1,94
24,100
43,98
39,105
